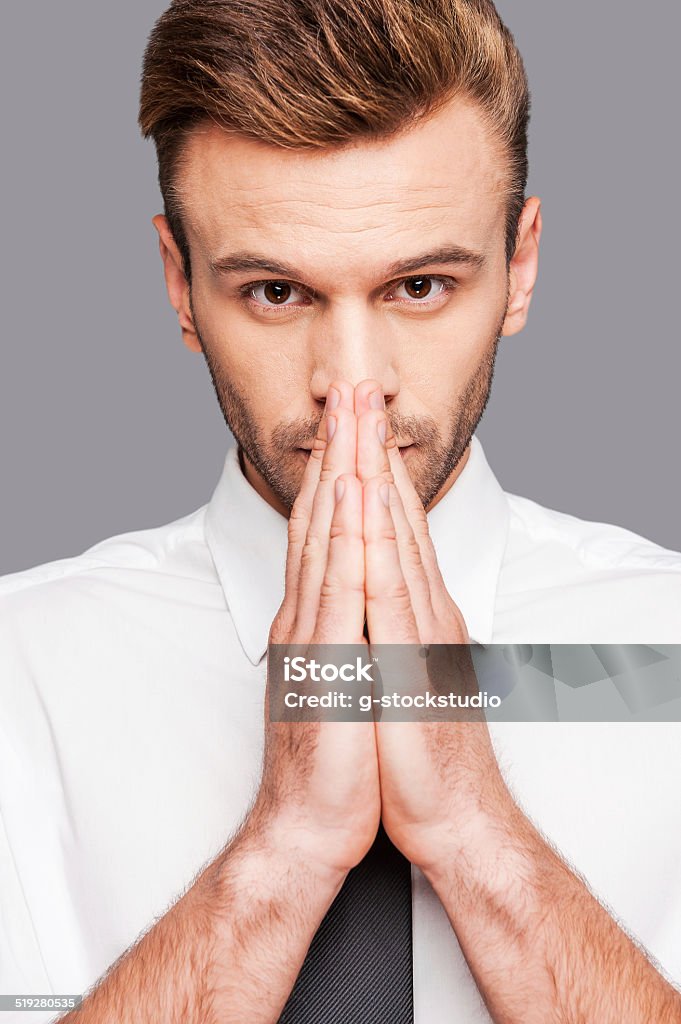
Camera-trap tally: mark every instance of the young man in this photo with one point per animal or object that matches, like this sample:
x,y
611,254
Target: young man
x,y
346,239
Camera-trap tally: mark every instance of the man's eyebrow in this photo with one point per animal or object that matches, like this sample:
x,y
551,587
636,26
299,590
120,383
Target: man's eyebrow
x,y
238,262
445,254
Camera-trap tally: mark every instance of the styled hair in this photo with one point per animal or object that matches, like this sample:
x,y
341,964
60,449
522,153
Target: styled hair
x,y
307,74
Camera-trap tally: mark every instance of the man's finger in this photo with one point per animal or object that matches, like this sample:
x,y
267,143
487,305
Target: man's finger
x,y
339,457
418,521
341,600
340,394
366,399
414,571
368,396
377,456
374,441
390,616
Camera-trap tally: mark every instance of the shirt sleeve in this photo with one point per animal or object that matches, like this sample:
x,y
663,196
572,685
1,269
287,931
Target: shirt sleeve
x,y
22,971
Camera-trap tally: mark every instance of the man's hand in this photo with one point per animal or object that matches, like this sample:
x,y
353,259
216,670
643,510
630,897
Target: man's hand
x,y
231,947
320,786
539,945
433,774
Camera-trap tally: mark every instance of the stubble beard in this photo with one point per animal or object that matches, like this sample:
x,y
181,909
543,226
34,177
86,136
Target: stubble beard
x,y
432,460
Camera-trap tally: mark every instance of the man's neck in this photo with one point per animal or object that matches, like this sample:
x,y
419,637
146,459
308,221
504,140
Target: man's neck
x,y
264,490
451,479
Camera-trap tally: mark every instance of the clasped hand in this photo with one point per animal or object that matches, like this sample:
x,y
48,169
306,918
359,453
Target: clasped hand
x,y
359,549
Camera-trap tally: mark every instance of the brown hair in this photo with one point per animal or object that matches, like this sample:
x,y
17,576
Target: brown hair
x,y
315,73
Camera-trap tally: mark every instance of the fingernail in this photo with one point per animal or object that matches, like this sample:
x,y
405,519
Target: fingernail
x,y
330,427
340,489
381,428
384,490
376,400
332,399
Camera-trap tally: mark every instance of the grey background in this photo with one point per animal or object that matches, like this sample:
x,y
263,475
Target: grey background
x,y
108,424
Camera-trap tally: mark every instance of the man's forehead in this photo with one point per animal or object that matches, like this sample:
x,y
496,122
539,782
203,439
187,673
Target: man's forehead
x,y
445,168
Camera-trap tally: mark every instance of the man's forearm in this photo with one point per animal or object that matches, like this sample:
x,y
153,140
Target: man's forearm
x,y
540,946
229,950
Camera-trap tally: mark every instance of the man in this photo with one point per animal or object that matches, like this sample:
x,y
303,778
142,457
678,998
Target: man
x,y
346,238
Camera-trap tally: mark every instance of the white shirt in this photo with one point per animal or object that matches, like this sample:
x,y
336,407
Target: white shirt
x,y
131,724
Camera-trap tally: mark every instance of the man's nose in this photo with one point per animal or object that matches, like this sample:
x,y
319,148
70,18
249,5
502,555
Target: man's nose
x,y
353,345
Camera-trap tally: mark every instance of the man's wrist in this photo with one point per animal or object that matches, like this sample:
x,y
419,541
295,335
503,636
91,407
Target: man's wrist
x,y
279,846
477,826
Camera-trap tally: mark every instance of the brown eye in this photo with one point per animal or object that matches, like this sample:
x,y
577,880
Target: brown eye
x,y
418,287
277,292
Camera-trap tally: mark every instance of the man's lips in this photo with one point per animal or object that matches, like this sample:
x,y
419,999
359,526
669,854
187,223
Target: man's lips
x,y
403,448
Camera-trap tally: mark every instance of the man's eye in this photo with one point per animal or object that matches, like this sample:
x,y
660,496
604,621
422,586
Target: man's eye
x,y
423,287
275,293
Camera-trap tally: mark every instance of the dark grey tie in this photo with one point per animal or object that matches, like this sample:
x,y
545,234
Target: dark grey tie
x,y
358,969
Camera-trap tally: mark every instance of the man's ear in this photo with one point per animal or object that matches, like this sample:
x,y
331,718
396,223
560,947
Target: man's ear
x,y
524,267
176,282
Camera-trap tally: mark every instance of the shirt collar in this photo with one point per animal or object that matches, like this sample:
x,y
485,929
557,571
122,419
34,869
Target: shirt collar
x,y
248,539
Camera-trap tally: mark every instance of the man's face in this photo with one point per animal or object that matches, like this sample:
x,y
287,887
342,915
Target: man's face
x,y
381,260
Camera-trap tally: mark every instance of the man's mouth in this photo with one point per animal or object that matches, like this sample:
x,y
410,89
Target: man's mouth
x,y
404,448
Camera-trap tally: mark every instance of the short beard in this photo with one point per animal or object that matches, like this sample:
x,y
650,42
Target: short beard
x,y
432,461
